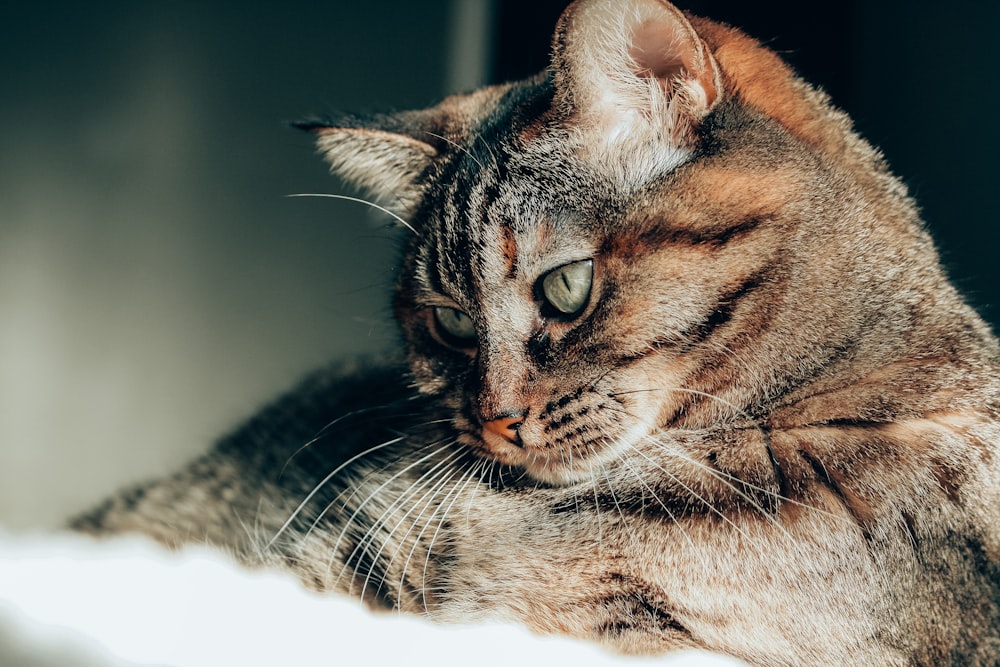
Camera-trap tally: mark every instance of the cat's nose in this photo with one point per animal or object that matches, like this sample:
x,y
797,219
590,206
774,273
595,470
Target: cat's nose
x,y
506,427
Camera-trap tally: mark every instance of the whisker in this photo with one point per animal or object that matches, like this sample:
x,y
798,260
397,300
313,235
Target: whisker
x,y
416,543
597,510
422,448
358,200
443,476
387,482
726,477
718,399
765,434
430,547
324,482
461,148
694,493
718,474
475,490
371,530
486,145
352,490
614,499
680,526
367,539
322,432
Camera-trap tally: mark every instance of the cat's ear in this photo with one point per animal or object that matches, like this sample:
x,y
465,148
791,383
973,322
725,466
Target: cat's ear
x,y
376,155
634,77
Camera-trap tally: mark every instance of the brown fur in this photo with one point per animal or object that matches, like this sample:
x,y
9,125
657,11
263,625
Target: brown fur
x,y
770,430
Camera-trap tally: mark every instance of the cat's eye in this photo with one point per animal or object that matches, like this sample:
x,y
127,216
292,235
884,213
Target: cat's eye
x,y
456,324
567,288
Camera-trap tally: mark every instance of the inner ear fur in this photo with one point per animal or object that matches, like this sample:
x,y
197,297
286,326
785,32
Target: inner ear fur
x,y
381,155
388,156
385,165
635,78
633,73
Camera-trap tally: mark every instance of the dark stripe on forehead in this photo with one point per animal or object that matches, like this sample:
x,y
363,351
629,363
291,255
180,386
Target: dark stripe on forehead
x,y
468,228
715,237
487,191
444,265
510,252
429,252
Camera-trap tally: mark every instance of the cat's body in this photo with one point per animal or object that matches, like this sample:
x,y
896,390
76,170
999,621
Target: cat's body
x,y
683,371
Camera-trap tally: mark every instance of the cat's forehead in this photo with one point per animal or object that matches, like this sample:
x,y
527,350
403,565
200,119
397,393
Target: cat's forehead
x,y
508,222
500,183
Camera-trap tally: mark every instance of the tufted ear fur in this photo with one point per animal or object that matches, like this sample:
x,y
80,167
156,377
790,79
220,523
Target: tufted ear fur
x,y
636,79
379,155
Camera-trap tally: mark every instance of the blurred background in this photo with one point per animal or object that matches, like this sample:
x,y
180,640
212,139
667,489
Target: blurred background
x,y
157,285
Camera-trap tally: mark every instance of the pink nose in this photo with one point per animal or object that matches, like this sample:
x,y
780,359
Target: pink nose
x,y
506,428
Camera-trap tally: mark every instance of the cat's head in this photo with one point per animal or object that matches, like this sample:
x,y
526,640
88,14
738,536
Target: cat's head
x,y
659,232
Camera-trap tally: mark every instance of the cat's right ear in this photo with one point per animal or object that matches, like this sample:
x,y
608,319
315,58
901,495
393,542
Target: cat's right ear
x,y
383,162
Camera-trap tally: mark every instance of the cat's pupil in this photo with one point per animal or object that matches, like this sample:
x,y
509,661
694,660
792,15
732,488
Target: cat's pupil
x,y
567,288
456,324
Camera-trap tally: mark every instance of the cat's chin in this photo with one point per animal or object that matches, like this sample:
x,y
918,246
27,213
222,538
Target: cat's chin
x,y
560,475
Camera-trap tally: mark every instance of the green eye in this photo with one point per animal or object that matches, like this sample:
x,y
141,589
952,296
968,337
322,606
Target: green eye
x,y
567,288
456,324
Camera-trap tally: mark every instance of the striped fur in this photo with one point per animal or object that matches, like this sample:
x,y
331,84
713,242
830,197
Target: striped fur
x,y
771,432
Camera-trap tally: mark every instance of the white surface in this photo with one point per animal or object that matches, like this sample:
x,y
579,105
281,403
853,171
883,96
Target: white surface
x,y
65,600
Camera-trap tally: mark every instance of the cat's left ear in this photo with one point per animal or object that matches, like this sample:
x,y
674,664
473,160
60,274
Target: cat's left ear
x,y
635,78
378,155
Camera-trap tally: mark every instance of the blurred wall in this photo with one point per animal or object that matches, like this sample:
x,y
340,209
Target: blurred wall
x,y
156,284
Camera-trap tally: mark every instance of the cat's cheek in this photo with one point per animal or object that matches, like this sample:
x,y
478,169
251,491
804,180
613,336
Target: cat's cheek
x,y
431,376
437,373
666,391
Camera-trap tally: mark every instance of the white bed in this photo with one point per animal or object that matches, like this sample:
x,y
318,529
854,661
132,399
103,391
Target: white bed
x,y
66,600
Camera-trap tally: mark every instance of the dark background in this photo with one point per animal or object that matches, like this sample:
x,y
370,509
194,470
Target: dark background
x,y
156,284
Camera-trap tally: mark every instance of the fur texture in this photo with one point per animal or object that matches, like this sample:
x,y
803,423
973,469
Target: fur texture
x,y
770,430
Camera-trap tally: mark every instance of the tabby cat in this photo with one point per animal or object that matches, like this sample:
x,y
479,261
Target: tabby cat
x,y
683,370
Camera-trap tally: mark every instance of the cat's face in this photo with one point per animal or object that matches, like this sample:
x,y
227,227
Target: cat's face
x,y
515,306
605,251
556,310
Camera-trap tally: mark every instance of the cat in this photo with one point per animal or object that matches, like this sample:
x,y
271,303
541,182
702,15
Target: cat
x,y
682,369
